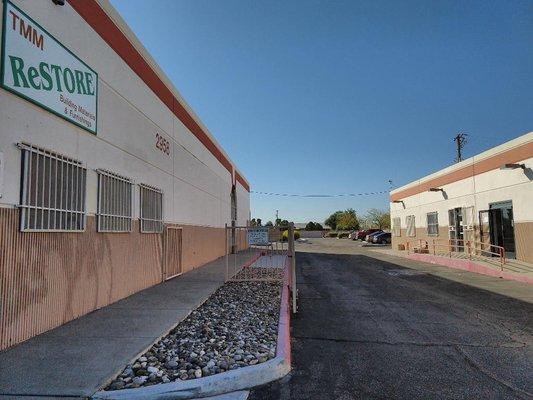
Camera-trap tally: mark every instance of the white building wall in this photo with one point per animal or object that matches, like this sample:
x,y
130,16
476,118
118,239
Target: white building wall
x,y
195,184
479,190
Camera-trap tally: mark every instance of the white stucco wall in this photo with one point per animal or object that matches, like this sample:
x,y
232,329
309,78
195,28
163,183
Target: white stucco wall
x,y
478,191
195,184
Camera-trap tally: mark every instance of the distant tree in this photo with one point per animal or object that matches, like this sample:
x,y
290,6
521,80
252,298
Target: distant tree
x,y
347,220
331,221
269,223
310,226
259,222
253,222
278,222
377,218
284,222
313,226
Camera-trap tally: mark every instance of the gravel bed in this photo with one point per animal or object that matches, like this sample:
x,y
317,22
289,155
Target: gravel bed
x,y
236,327
260,273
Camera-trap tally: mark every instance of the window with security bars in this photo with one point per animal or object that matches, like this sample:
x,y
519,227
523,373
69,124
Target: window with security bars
x,y
53,191
114,202
433,223
396,227
151,209
410,225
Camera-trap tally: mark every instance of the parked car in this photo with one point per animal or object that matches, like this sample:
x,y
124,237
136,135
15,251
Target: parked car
x,y
361,235
382,238
370,236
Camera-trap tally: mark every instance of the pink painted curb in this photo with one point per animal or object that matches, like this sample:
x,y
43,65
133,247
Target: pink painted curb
x,y
252,260
471,266
283,348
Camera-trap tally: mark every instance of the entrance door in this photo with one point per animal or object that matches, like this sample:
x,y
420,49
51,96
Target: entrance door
x,y
502,227
171,252
455,227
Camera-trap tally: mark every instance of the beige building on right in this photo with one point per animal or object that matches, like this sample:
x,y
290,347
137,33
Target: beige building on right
x,y
485,201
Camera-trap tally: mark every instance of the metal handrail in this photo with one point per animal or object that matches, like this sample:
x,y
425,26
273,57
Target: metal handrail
x,y
472,247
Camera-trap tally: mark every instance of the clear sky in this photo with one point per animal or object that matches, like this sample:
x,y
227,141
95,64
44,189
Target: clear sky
x,y
328,97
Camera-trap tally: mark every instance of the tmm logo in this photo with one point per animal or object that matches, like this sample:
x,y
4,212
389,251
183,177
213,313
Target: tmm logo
x,y
26,30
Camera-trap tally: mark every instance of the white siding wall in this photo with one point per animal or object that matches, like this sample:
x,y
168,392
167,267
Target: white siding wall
x,y
478,191
195,184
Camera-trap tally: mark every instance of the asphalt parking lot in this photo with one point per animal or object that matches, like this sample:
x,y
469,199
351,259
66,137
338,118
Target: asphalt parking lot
x,y
372,326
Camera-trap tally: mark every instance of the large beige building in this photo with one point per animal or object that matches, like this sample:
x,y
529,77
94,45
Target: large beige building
x,y
486,200
109,183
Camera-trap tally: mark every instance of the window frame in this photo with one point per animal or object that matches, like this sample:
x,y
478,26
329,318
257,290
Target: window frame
x,y
74,210
397,226
158,208
433,225
408,218
114,220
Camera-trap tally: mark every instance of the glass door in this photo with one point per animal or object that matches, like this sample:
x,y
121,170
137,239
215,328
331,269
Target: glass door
x,y
455,227
502,227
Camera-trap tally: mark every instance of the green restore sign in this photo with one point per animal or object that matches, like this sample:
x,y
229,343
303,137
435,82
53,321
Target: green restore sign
x,y
38,68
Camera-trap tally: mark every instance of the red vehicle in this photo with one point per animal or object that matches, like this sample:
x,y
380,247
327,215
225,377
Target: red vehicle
x,y
361,235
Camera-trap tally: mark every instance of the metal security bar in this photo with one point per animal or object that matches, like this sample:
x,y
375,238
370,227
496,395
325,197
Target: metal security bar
x,y
114,202
53,191
151,209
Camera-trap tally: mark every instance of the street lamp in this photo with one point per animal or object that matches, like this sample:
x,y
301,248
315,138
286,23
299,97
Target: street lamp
x,y
434,189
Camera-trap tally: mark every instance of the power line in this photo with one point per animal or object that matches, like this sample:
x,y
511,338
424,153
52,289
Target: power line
x,y
320,195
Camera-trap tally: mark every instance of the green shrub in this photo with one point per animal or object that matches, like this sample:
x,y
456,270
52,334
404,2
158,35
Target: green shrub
x,y
331,234
342,235
285,235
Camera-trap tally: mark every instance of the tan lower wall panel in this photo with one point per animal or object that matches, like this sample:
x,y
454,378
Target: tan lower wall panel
x,y
523,238
523,234
201,245
48,279
421,234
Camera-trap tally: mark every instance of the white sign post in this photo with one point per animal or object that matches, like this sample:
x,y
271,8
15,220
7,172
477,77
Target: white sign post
x,y
40,69
258,236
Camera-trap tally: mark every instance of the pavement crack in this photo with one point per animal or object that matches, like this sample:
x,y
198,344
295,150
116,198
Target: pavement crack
x,y
470,361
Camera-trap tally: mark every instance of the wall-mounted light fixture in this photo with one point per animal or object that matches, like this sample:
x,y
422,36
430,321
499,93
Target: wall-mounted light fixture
x,y
512,166
433,189
398,201
59,2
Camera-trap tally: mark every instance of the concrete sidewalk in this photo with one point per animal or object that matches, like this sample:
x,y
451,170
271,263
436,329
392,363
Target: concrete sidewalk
x,y
77,358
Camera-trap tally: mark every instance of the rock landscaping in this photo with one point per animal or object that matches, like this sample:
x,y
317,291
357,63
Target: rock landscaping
x,y
236,327
260,273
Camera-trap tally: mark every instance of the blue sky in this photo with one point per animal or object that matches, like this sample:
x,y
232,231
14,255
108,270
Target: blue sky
x,y
327,97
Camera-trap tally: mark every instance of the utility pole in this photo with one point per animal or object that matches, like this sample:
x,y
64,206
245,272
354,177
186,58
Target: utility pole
x,y
460,141
277,211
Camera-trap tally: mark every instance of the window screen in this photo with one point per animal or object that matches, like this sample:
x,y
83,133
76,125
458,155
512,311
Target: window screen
x,y
396,227
114,202
433,223
151,209
410,225
53,191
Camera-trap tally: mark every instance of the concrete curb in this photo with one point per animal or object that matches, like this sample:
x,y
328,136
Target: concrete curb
x,y
230,381
470,266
